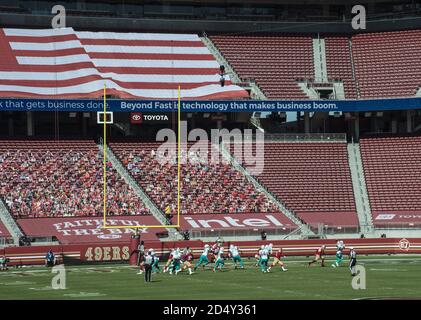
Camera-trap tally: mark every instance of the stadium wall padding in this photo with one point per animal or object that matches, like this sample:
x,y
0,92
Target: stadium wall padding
x,y
120,251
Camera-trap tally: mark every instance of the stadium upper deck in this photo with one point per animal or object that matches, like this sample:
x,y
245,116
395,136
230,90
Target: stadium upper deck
x,y
69,64
371,65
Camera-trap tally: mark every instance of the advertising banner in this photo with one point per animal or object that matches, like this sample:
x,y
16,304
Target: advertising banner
x,y
117,105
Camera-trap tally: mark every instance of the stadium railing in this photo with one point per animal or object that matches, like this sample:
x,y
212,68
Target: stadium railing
x,y
6,241
321,229
293,137
398,225
232,232
322,137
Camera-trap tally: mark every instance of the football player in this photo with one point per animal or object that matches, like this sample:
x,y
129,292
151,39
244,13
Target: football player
x,y
277,260
264,258
203,257
187,260
320,255
219,263
169,262
235,255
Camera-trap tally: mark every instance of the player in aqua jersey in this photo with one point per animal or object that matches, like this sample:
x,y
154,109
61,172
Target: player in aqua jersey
x,y
235,255
219,263
203,258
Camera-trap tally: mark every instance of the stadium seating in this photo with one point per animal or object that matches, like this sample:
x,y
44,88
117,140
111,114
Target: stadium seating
x,y
273,61
61,178
392,168
206,188
313,179
388,64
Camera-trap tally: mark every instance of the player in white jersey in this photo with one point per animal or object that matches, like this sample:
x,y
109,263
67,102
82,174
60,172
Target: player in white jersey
x,y
264,258
203,257
219,263
340,245
235,255
269,248
257,256
176,262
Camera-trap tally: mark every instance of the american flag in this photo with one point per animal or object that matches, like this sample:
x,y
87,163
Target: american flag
x,y
64,63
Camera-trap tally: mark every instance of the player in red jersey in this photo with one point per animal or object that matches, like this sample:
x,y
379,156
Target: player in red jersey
x,y
187,260
277,260
215,250
320,255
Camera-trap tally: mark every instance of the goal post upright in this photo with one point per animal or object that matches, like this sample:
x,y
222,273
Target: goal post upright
x,y
178,156
104,141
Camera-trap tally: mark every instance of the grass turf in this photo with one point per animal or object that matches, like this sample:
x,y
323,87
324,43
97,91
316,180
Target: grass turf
x,y
397,277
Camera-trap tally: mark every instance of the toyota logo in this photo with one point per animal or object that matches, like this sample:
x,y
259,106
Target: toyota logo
x,y
136,118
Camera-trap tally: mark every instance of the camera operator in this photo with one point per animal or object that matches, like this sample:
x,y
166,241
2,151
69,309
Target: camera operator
x,y
50,259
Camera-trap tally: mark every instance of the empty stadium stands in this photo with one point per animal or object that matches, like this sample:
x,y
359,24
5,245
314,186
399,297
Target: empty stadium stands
x,y
388,64
392,168
312,179
53,179
274,62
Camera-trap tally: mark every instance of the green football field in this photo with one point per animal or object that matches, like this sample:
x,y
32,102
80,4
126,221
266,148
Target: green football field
x,y
386,277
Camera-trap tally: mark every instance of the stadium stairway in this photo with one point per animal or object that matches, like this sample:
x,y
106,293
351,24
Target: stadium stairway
x,y
303,229
10,223
319,57
357,85
362,201
321,74
173,234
